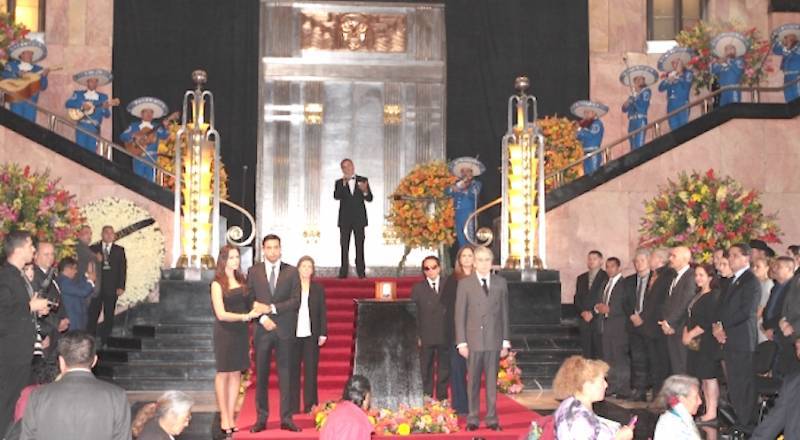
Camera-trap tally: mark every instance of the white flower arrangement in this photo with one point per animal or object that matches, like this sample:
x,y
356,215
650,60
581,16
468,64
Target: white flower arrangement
x,y
144,249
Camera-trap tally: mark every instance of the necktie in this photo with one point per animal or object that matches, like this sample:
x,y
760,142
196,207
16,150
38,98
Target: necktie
x,y
674,283
652,279
272,279
433,286
607,292
485,286
640,289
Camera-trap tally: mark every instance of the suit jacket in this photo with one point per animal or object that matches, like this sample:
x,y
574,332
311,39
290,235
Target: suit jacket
x,y
618,307
114,278
317,310
784,417
791,304
286,297
737,311
676,305
79,406
17,324
47,288
631,299
777,297
75,292
482,320
352,211
86,257
653,306
431,312
586,296
153,431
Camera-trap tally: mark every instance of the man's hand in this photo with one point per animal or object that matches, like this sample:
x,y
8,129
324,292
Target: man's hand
x,y
770,334
586,315
261,308
786,328
719,333
419,343
38,305
322,340
45,71
120,292
363,186
107,104
665,328
91,275
602,308
503,352
46,342
636,320
463,351
63,325
268,324
86,105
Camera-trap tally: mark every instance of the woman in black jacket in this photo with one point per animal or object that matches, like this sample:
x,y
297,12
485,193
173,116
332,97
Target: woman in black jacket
x,y
312,332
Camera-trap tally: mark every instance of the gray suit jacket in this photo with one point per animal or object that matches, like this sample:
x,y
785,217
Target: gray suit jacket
x,y
676,304
77,407
481,320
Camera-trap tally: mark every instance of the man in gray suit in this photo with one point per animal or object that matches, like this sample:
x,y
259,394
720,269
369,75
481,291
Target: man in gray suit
x,y
78,406
681,291
482,333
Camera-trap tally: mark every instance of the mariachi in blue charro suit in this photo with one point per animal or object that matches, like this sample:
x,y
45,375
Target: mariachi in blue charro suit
x,y
590,131
678,84
787,45
465,194
729,47
638,103
147,109
24,55
91,119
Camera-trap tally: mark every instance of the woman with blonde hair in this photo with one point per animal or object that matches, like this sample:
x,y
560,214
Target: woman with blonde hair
x,y
582,382
465,260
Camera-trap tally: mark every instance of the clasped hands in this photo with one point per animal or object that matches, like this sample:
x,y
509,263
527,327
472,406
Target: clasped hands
x,y
719,332
666,328
261,309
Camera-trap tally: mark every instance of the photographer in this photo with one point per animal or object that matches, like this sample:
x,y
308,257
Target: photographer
x,y
51,326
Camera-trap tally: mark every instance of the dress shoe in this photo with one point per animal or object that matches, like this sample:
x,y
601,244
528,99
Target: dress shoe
x,y
290,427
308,409
342,276
362,276
494,427
258,427
472,427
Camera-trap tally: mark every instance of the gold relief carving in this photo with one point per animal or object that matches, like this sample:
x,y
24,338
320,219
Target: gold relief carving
x,y
392,114
353,32
312,113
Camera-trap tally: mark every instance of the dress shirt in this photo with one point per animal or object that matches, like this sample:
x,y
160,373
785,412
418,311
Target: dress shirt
x,y
435,282
304,316
268,270
678,278
351,183
641,289
739,273
145,124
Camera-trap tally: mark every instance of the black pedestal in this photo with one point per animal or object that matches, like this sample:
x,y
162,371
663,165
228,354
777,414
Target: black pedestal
x,y
534,302
386,352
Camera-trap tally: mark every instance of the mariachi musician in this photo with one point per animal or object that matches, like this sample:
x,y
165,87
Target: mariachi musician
x,y
141,137
89,107
24,55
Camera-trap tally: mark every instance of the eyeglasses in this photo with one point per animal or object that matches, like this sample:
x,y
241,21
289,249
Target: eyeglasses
x,y
430,268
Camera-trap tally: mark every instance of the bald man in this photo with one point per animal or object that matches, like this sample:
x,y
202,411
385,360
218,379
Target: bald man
x,y
675,310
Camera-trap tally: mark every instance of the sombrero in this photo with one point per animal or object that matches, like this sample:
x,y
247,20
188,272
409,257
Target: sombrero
x,y
579,108
724,39
158,106
789,28
37,47
103,76
650,75
761,245
676,53
456,165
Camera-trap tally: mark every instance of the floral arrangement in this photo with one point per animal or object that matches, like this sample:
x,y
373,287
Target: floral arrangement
x,y
166,160
144,249
434,417
509,376
562,148
34,202
699,39
705,212
10,33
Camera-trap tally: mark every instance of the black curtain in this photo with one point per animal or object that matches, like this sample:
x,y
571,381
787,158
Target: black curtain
x,y
784,6
157,45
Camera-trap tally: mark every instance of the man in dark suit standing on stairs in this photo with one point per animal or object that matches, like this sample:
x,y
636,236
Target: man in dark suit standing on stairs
x,y
352,191
431,312
276,286
676,307
114,267
588,290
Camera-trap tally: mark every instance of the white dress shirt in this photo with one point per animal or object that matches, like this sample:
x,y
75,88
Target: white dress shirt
x,y
268,270
351,183
678,278
304,316
435,282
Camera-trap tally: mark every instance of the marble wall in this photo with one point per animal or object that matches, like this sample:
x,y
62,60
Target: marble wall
x,y
754,152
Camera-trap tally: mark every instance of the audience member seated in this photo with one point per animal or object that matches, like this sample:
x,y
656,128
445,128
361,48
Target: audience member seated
x,y
680,399
173,411
581,382
349,419
42,372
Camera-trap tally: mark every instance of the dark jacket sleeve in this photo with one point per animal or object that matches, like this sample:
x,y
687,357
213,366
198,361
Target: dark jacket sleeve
x,y
784,409
338,189
629,300
292,303
368,195
322,319
123,267
749,294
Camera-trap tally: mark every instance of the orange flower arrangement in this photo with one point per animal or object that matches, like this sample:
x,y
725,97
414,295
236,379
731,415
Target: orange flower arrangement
x,y
561,147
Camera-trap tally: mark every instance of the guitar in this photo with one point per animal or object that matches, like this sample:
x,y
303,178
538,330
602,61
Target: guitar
x,y
130,229
146,136
24,87
76,114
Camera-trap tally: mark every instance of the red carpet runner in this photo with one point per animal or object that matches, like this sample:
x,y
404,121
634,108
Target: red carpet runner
x,y
334,369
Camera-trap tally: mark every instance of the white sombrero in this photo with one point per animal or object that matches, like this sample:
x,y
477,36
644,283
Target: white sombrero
x,y
650,75
782,31
725,39
683,54
579,108
138,105
456,165
37,47
103,76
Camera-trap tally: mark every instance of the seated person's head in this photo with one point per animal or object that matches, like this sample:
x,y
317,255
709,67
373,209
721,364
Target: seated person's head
x,y
585,379
68,267
358,390
681,389
174,411
76,350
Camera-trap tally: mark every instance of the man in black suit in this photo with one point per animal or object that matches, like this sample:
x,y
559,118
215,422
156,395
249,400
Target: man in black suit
x,y
794,252
676,304
588,290
737,331
114,267
789,321
78,406
18,304
431,312
276,286
784,416
352,191
56,322
635,293
783,271
658,285
611,324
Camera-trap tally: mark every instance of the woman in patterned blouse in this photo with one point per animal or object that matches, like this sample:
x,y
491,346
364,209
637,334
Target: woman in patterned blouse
x,y
581,382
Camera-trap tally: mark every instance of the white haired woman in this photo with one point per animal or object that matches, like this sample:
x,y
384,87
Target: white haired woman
x,y
680,397
173,413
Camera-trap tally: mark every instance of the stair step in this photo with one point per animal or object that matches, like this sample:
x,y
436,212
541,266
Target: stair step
x,y
172,355
179,341
156,384
196,329
193,371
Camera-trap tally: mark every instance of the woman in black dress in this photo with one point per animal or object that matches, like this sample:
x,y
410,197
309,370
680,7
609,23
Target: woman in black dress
x,y
232,308
704,352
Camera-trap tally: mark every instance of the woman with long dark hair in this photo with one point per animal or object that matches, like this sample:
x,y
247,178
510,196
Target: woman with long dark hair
x,y
465,260
232,308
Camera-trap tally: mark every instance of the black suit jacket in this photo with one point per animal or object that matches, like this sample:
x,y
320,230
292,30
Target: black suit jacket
x,y
47,288
317,310
352,211
653,306
630,298
784,417
17,328
114,278
153,431
286,297
676,305
586,296
737,311
617,304
431,312
777,297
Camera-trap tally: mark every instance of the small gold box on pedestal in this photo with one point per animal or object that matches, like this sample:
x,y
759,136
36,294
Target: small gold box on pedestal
x,y
385,290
